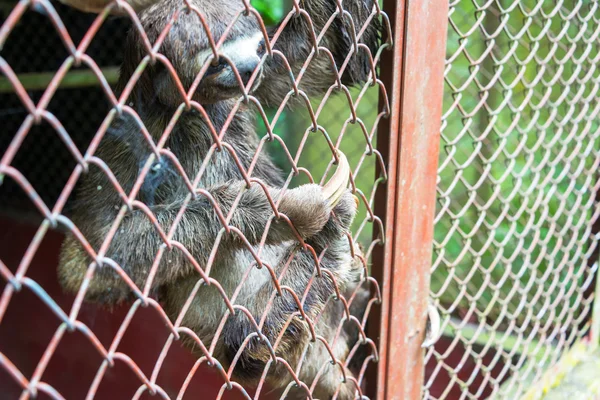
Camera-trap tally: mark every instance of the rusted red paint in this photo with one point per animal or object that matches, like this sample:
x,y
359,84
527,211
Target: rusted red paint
x,y
387,143
424,46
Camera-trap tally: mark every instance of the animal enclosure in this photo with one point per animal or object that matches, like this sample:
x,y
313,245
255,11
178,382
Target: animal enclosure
x,y
471,135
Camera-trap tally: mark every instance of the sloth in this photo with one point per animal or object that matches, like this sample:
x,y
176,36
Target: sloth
x,y
264,321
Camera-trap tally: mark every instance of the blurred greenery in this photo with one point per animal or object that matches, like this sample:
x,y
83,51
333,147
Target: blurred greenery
x,y
518,164
271,11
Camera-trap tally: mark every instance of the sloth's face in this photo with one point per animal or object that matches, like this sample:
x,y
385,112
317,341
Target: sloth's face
x,y
187,47
220,82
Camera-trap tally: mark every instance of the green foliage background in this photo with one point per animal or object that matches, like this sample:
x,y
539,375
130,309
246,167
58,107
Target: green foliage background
x,y
272,11
518,163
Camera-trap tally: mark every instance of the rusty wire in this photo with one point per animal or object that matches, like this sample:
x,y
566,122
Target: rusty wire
x,y
517,194
53,217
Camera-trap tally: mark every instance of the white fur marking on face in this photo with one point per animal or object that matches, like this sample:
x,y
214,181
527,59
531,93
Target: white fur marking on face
x,y
237,50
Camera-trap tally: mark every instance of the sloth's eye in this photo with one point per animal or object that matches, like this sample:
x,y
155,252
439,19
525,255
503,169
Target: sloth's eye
x,y
262,48
217,66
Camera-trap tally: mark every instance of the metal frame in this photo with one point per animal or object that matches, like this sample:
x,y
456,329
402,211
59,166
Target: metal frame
x,y
412,138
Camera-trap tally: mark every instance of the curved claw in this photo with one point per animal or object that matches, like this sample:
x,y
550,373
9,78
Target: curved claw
x,y
433,329
337,184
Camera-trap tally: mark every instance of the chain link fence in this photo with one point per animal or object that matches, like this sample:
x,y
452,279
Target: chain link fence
x,y
35,52
284,317
516,224
517,194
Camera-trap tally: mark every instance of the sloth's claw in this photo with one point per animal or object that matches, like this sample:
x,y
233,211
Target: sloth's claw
x,y
337,184
433,326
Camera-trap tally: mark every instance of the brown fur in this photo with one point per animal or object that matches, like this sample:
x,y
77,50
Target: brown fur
x,y
136,242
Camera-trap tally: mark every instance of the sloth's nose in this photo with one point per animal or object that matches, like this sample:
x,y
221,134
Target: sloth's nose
x,y
246,69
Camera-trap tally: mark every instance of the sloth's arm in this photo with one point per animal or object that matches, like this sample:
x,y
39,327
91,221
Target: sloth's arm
x,y
136,243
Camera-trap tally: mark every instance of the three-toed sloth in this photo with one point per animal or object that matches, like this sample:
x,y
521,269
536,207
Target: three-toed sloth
x,y
136,244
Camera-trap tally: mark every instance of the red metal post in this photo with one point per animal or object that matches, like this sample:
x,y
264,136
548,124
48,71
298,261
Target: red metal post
x,y
420,31
387,145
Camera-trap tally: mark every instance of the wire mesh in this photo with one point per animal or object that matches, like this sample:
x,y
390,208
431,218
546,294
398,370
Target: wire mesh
x,y
517,187
36,48
320,330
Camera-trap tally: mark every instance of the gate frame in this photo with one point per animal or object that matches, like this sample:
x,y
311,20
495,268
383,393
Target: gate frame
x,y
410,146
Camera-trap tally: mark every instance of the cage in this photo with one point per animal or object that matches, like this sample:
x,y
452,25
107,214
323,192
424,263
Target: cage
x,y
60,69
466,131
